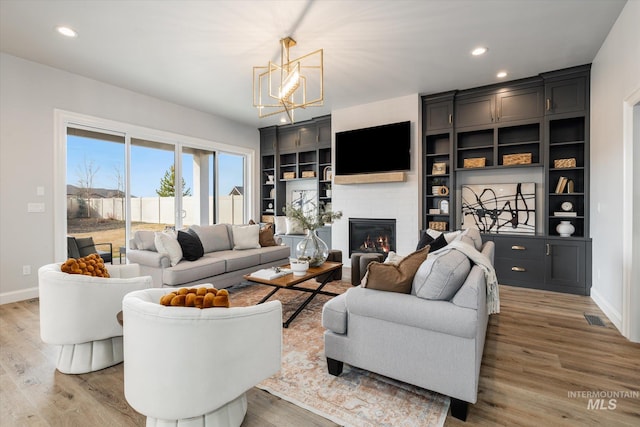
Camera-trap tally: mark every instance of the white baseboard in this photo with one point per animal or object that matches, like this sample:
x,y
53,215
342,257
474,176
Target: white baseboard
x,y
14,296
614,315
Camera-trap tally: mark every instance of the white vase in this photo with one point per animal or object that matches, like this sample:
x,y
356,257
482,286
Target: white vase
x,y
565,228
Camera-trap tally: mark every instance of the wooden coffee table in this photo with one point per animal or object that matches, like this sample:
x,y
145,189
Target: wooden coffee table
x,y
290,281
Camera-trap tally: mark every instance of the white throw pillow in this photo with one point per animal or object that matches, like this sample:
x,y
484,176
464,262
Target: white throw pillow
x,y
441,275
451,236
294,226
281,224
246,236
393,258
167,244
433,233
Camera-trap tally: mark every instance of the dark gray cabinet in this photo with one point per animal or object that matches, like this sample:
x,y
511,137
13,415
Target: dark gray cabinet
x,y
540,262
268,140
566,265
308,137
565,96
288,139
500,105
439,115
474,111
324,132
520,104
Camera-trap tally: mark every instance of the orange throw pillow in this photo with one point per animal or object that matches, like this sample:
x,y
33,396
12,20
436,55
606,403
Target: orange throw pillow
x,y
396,278
196,297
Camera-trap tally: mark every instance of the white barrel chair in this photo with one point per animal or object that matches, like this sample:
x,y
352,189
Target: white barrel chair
x,y
78,314
187,367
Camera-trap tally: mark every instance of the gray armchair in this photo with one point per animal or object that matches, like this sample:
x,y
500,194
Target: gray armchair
x,y
78,247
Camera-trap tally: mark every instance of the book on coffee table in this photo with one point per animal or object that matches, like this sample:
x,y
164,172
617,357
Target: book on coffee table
x,y
271,273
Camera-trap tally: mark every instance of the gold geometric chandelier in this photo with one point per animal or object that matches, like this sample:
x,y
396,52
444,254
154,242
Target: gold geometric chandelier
x,y
294,83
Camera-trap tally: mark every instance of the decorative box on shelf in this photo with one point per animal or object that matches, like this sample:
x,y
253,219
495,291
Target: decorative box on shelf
x,y
438,225
267,218
475,162
564,163
516,159
288,175
308,174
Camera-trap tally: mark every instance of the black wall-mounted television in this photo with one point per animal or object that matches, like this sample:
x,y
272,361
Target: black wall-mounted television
x,y
383,148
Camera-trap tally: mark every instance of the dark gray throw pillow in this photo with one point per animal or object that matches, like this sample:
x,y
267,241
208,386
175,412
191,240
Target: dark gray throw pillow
x,y
191,245
435,244
425,240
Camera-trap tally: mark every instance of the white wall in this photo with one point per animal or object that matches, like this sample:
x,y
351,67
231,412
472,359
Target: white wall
x,y
30,93
398,200
615,75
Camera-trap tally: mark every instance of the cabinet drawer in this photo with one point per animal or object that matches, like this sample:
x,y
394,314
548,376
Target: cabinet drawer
x,y
513,271
519,248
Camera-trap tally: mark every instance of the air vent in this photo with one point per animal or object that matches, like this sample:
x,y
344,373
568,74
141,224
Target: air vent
x,y
593,320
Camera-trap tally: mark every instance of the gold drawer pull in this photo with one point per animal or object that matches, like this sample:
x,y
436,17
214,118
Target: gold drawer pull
x,y
518,269
518,248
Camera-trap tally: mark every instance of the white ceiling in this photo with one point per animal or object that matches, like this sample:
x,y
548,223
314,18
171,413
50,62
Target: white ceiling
x,y
200,54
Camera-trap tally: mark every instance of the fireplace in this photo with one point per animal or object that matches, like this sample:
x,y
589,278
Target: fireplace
x,y
372,235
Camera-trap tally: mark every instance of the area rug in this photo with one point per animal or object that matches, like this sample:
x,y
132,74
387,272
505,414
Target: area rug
x,y
356,398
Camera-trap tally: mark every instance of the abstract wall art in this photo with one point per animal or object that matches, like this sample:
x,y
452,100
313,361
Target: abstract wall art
x,y
500,208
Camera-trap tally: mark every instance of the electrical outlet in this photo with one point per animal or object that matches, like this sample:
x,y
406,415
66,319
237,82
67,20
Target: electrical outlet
x,y
26,270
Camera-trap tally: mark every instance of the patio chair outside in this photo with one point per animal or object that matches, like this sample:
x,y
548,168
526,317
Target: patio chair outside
x,y
78,247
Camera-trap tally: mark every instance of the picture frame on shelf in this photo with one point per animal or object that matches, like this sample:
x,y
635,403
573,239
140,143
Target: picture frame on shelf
x,y
443,205
327,173
439,168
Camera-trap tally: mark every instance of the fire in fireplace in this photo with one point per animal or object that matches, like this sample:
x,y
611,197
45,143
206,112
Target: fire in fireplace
x,y
372,235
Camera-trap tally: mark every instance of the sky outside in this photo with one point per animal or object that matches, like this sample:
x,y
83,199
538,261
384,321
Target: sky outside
x,y
148,166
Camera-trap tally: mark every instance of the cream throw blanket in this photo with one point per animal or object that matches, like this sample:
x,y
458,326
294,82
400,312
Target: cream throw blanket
x,y
481,260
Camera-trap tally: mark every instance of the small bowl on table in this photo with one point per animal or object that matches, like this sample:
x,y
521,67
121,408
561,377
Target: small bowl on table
x,y
299,267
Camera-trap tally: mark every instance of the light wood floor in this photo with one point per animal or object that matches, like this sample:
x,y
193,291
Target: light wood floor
x,y
538,349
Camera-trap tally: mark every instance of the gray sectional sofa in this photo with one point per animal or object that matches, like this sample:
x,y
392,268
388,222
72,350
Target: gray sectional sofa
x,y
436,344
221,264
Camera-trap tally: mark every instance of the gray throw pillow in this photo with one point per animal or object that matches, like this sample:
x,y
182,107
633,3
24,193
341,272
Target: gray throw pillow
x,y
145,240
441,275
213,237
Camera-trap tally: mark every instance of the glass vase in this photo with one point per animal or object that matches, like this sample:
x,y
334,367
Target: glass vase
x,y
313,249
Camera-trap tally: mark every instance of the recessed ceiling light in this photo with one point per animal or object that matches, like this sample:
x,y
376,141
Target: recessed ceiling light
x,y
283,120
501,74
67,31
479,51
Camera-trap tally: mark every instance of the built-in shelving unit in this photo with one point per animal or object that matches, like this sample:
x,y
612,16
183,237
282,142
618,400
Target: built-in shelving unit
x,y
540,123
438,165
293,153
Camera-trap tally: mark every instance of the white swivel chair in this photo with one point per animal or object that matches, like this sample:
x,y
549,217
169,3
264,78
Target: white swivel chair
x,y
78,313
186,366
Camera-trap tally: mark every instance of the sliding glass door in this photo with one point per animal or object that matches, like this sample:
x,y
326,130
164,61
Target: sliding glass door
x,y
152,183
231,189
95,190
